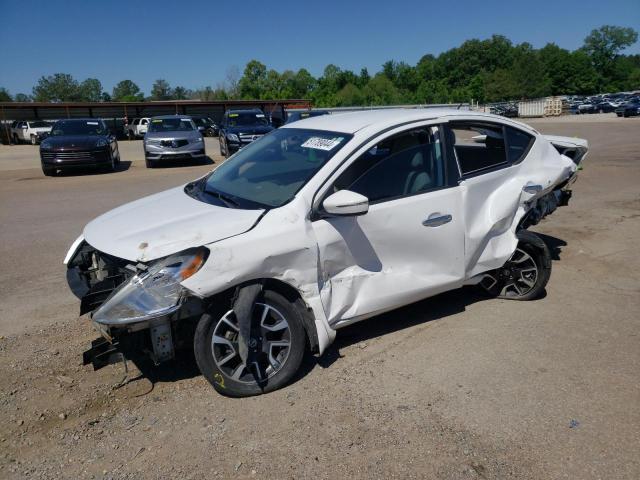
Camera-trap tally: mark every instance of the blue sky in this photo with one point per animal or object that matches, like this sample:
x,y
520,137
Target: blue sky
x,y
193,43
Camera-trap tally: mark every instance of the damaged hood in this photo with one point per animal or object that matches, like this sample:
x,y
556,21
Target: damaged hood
x,y
165,223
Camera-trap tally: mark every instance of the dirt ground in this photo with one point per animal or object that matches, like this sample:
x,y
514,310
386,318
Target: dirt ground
x,y
454,387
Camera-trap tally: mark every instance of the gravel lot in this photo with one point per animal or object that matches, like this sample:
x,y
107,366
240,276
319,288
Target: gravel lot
x,y
453,387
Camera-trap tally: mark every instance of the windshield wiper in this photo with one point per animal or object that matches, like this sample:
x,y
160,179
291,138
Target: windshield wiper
x,y
226,199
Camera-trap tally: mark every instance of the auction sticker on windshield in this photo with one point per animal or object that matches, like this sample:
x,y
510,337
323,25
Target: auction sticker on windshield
x,y
322,143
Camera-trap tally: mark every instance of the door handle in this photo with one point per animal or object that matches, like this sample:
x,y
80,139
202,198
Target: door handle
x,y
437,219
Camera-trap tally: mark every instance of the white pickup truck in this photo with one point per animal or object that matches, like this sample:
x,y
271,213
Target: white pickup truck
x,y
29,131
137,128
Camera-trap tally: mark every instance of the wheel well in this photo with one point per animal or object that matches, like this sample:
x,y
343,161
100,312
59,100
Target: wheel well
x,y
288,292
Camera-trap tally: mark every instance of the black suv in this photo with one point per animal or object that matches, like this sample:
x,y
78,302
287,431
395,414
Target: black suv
x,y
241,127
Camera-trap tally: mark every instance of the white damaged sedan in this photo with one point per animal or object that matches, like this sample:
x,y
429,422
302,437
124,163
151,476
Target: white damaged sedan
x,y
319,224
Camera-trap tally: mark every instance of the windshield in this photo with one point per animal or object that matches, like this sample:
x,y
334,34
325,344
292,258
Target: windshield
x,y
170,125
201,121
78,127
246,118
270,171
39,124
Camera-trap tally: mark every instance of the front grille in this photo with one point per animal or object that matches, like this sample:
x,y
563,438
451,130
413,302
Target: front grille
x,y
76,155
248,137
174,143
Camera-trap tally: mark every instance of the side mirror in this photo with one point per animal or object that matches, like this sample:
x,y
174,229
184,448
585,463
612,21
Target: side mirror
x,y
346,203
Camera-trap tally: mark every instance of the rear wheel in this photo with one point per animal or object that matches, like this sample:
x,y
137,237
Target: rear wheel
x,y
34,140
525,274
277,344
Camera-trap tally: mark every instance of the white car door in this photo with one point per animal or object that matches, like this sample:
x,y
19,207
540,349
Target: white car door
x,y
410,244
23,130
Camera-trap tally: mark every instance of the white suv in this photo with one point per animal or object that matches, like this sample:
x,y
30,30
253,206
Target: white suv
x,y
31,131
317,225
137,128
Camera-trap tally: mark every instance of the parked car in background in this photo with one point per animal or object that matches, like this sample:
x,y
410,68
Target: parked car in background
x,y
137,128
630,108
606,106
31,131
295,115
322,223
79,142
586,107
171,138
206,126
241,127
509,110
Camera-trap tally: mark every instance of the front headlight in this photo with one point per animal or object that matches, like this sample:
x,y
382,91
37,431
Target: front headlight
x,y
199,140
101,143
153,293
233,137
46,145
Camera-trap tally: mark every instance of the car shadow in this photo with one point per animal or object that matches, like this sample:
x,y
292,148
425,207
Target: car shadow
x,y
419,313
79,171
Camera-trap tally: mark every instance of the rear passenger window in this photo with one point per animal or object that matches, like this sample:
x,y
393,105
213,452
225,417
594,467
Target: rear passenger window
x,y
518,144
477,146
406,164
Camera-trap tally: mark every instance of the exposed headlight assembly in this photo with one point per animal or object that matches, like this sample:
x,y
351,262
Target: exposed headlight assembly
x,y
46,145
101,143
153,293
233,137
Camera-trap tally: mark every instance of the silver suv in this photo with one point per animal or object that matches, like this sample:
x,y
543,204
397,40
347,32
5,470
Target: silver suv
x,y
170,138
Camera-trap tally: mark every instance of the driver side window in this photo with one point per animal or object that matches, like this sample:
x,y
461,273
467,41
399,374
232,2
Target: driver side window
x,y
406,164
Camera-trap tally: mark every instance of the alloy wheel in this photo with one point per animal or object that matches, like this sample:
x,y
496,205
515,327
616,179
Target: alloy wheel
x,y
515,278
269,345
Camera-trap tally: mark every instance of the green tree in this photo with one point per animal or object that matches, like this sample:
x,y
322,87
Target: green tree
x,y
59,87
127,91
253,81
22,97
5,96
181,93
350,95
90,90
604,45
161,90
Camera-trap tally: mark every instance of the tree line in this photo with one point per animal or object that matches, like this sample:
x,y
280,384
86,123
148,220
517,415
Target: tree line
x,y
488,70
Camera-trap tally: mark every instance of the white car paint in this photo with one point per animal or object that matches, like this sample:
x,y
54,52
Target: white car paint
x,y
347,268
26,131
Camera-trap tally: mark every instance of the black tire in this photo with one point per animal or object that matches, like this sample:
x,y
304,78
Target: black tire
x,y
49,171
34,140
16,140
149,163
206,351
525,274
222,152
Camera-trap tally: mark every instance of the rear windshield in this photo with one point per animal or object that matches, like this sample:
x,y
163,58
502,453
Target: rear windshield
x,y
246,118
171,125
78,127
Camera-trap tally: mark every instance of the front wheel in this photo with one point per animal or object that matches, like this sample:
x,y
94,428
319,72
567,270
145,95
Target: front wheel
x,y
525,274
277,347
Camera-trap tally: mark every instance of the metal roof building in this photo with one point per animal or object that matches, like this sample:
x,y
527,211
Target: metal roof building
x,y
116,111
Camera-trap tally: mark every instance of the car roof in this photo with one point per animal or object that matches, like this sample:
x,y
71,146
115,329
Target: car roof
x,y
165,117
351,122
